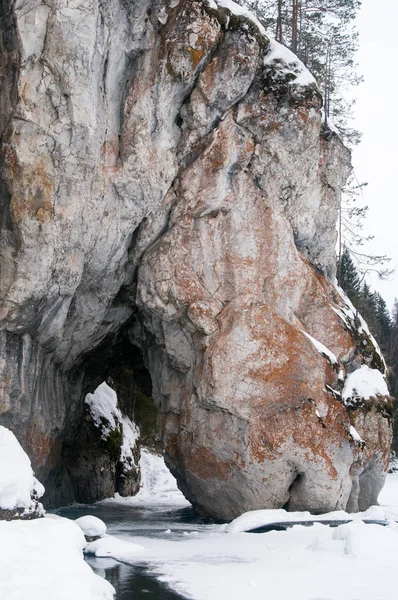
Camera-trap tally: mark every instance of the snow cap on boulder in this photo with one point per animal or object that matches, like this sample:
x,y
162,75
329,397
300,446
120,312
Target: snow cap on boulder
x,y
91,526
19,488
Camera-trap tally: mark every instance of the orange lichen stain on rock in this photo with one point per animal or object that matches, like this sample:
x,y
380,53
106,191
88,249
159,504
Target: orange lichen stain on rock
x,y
196,55
203,463
303,112
10,159
171,445
189,288
318,317
109,157
33,190
274,126
40,447
261,452
250,146
216,157
298,426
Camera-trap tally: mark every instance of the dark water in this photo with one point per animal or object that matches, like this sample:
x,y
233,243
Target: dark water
x,y
135,582
131,581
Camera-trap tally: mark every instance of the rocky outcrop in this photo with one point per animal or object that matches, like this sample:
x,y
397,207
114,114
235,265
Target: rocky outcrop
x,y
169,192
104,457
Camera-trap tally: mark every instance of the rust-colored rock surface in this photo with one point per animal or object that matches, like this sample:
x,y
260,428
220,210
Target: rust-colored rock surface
x,y
169,192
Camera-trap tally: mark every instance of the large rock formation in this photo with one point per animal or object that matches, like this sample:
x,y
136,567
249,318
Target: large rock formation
x,y
169,193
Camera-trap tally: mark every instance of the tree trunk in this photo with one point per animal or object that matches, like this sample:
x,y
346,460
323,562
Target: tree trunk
x,y
279,34
295,14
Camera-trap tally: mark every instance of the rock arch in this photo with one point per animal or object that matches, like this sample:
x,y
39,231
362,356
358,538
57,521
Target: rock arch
x,y
167,186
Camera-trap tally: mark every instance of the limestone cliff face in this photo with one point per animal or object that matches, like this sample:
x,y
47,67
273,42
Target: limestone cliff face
x,y
168,192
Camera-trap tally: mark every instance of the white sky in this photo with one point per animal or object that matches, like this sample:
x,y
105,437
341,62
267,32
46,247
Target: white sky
x,y
375,159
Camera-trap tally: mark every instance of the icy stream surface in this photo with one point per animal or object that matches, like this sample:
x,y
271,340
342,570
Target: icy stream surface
x,y
166,552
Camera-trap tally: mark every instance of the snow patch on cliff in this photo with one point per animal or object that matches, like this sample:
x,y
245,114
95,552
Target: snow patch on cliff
x,y
104,409
241,11
355,435
322,349
287,64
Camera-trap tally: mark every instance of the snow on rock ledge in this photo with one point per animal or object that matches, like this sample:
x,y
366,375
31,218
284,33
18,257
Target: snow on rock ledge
x,y
19,488
364,384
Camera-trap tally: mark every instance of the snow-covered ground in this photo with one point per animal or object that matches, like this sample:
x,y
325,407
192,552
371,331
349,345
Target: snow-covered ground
x,y
42,560
350,562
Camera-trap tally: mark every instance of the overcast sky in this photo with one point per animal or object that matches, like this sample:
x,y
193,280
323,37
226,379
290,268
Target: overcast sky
x,y
376,158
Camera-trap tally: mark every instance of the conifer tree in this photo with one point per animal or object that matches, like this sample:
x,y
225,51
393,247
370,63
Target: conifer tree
x,y
383,334
348,277
393,350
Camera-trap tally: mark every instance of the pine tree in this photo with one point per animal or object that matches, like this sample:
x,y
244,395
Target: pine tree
x,y
393,350
348,277
367,306
383,334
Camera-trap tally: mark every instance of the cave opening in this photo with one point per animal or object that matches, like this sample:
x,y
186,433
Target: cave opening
x,y
94,463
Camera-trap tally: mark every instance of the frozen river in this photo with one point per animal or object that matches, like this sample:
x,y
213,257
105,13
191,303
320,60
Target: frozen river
x,y
166,552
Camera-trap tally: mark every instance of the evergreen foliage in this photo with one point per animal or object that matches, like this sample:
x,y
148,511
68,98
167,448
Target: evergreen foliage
x,y
393,350
348,277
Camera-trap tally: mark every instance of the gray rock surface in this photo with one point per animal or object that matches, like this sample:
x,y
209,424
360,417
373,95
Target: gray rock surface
x,y
167,190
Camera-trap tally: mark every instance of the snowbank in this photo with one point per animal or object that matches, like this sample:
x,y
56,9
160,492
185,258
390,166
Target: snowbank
x,y
363,384
19,487
158,486
259,518
110,546
43,560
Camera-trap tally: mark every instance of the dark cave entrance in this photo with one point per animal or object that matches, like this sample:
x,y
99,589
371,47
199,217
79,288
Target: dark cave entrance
x,y
122,367
90,469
